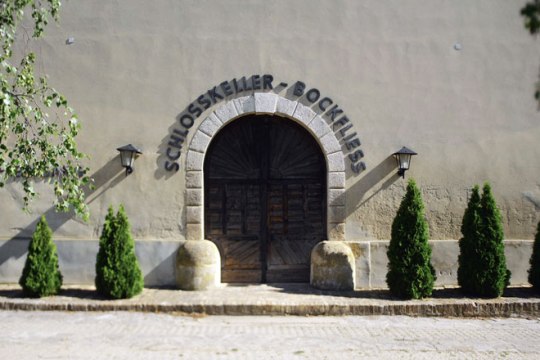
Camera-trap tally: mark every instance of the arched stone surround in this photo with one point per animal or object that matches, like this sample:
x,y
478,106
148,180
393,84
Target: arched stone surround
x,y
265,103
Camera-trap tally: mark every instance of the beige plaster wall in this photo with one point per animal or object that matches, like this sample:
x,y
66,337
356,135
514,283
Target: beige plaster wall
x,y
135,65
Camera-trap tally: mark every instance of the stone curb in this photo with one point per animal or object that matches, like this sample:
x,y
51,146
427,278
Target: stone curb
x,y
423,309
279,299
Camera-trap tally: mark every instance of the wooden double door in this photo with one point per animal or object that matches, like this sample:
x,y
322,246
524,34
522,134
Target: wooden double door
x,y
265,199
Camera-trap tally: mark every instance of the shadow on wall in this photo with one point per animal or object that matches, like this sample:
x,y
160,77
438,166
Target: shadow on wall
x,y
370,184
105,178
160,275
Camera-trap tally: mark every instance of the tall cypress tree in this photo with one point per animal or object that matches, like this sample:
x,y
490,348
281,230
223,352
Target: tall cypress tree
x,y
534,271
483,269
410,273
41,274
118,274
468,249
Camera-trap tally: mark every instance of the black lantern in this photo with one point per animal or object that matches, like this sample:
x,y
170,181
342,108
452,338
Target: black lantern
x,y
403,158
128,153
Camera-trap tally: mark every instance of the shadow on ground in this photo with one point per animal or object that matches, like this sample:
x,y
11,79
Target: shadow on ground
x,y
384,294
293,289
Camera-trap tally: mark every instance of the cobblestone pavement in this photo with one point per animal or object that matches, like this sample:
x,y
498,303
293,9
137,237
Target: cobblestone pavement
x,y
134,335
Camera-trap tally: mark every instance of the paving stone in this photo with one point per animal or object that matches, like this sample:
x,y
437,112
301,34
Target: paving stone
x,y
136,335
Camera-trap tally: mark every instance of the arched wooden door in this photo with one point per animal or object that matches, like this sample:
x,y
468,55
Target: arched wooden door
x,y
265,199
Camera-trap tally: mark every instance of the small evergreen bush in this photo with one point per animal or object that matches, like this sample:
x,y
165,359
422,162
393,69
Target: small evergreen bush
x,y
41,275
118,275
482,264
410,273
534,271
468,249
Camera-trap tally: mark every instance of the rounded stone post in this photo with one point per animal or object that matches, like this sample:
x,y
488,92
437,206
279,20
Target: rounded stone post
x,y
198,265
332,266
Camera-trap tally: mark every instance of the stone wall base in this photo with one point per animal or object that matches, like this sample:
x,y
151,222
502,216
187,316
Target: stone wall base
x,y
77,260
371,262
158,259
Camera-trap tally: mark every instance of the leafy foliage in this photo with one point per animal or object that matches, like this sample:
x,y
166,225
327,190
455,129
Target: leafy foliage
x,y
410,273
482,263
41,275
118,275
534,271
531,13
33,144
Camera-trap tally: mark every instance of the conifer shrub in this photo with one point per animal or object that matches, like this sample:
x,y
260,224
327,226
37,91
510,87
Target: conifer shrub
x,y
468,248
410,273
118,274
534,270
482,264
41,274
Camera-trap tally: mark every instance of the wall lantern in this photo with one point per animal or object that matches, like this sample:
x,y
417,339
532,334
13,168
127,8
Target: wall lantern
x,y
128,153
403,159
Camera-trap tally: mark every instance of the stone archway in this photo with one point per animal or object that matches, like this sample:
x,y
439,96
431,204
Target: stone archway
x,y
264,199
265,103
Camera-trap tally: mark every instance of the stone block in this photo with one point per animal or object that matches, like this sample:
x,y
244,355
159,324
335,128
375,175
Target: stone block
x,y
444,258
336,214
286,106
332,266
245,104
194,231
379,264
198,265
265,103
194,197
518,253
304,114
199,142
330,144
336,180
319,127
194,161
336,231
194,179
336,197
194,215
336,163
226,112
210,125
360,251
157,261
